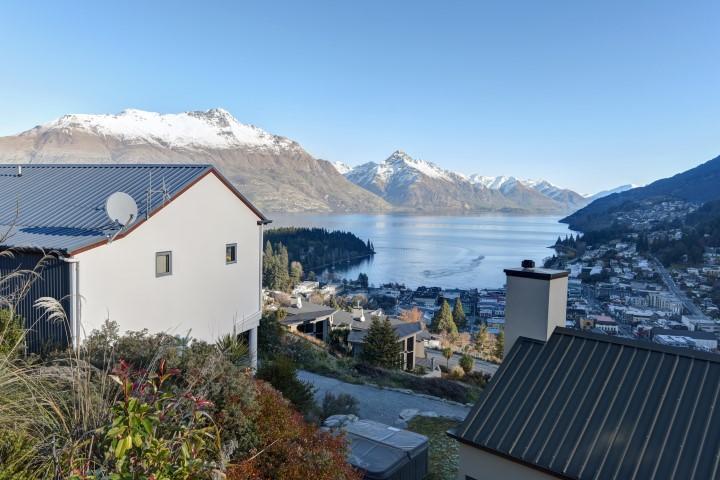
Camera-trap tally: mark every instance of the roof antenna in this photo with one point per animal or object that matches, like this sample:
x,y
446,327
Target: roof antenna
x,y
147,199
163,190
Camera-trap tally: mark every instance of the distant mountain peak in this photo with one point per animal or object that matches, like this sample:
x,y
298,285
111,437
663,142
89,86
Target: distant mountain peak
x,y
413,183
342,168
215,129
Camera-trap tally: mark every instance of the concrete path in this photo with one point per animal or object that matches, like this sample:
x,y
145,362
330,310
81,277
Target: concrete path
x,y
379,404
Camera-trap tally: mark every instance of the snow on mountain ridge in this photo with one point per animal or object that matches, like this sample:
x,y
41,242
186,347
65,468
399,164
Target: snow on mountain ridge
x,y
215,128
342,168
400,159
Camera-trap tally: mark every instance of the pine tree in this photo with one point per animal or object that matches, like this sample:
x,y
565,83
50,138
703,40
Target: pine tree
x,y
282,277
458,314
500,344
268,265
481,340
443,321
382,347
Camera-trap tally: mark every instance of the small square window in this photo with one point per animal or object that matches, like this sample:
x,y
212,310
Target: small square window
x,y
163,264
231,253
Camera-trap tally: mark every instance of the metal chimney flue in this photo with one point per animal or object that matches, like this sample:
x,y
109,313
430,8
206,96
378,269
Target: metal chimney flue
x,y
19,170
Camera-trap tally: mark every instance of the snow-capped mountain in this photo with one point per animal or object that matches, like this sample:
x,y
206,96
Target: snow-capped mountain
x,y
215,128
605,193
342,168
420,185
276,173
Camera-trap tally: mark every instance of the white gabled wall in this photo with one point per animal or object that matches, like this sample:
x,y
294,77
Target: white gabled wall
x,y
203,294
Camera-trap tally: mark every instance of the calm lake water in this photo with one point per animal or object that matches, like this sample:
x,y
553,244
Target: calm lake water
x,y
444,251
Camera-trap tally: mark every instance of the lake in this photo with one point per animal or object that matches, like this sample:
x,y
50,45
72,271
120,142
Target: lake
x,y
444,251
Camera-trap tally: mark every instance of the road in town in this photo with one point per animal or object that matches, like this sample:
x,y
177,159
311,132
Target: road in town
x,y
674,289
480,365
381,405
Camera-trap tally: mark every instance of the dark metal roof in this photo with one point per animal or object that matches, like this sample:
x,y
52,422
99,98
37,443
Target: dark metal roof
x,y
403,330
593,406
61,206
308,312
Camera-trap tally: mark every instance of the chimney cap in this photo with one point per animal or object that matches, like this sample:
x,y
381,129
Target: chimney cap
x,y
536,273
528,264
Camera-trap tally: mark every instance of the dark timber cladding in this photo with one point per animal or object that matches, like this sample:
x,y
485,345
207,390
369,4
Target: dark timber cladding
x,y
50,279
587,406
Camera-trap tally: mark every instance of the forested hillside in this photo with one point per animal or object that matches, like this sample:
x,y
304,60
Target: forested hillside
x,y
292,254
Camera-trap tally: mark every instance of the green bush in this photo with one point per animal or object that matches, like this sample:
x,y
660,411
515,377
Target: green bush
x,y
281,373
467,363
341,404
11,332
155,432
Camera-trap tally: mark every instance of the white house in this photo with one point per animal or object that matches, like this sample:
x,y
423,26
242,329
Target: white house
x,y
188,262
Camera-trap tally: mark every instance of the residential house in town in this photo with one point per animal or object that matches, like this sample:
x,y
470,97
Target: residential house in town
x,y
186,260
407,333
309,318
572,404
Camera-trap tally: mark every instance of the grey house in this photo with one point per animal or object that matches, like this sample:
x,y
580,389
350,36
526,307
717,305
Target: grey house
x,y
310,319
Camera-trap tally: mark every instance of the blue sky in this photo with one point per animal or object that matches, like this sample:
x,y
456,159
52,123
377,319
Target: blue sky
x,y
586,94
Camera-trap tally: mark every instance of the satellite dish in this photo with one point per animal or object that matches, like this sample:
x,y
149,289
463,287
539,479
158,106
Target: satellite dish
x,y
121,208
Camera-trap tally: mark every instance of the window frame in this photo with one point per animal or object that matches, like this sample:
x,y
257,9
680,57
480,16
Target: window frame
x,y
234,247
167,253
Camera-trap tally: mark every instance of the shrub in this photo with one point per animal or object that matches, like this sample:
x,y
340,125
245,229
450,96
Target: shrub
x,y
477,379
341,404
270,332
11,331
281,373
155,432
467,363
289,448
457,372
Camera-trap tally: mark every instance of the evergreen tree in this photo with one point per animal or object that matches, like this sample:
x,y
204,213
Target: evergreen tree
x,y
381,347
458,314
443,321
363,280
283,263
268,265
481,340
500,344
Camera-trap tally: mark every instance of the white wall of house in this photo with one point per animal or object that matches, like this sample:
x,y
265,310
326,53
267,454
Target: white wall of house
x,y
203,294
478,464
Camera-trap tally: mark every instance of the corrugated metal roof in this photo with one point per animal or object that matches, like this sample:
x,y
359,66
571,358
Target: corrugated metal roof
x,y
590,406
402,330
62,207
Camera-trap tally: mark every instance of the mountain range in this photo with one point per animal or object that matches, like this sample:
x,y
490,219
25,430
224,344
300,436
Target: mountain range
x,y
277,173
697,185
